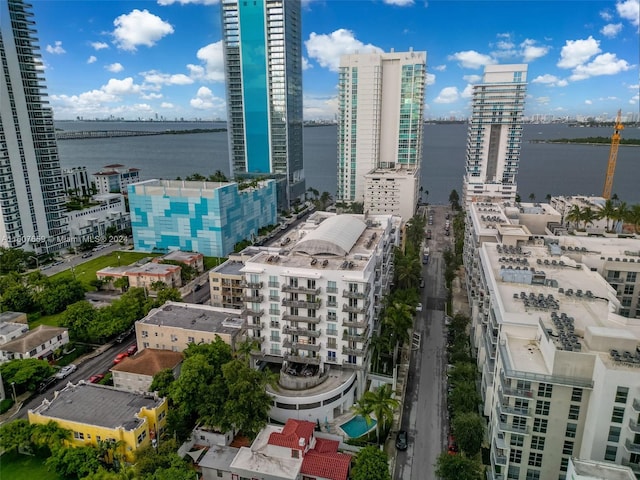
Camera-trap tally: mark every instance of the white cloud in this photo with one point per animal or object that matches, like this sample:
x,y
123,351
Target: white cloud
x,y
114,67
327,49
440,68
56,49
120,87
158,78
551,80
530,51
185,2
213,63
629,10
144,107
633,100
99,45
606,16
206,100
399,3
431,79
151,96
139,28
167,105
305,64
577,52
472,59
543,100
611,29
447,95
467,92
588,102
472,78
605,64
320,107
92,59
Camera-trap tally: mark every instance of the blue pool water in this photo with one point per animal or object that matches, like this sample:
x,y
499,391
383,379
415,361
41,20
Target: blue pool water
x,y
357,426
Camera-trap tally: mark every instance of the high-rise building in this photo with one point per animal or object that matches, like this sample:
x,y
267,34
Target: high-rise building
x,y
495,134
30,176
263,71
380,122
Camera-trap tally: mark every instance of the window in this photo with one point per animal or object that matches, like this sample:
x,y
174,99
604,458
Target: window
x,y
142,436
295,453
191,340
533,474
540,425
537,443
145,333
617,415
574,412
614,434
545,390
631,277
564,464
519,422
628,289
610,453
570,432
542,407
219,473
516,440
535,459
513,472
621,395
576,395
331,356
515,455
78,435
567,448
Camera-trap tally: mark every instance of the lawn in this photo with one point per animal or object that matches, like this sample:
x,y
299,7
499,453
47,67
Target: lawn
x,y
25,467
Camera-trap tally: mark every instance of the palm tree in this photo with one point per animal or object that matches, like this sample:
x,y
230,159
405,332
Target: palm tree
x,y
382,404
363,408
588,216
607,212
50,435
244,349
634,217
574,215
532,197
621,215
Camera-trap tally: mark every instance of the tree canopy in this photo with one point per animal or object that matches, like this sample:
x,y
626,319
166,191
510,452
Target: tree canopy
x,y
371,464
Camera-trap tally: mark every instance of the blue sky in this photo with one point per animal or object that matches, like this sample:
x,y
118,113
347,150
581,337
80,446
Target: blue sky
x,y
136,59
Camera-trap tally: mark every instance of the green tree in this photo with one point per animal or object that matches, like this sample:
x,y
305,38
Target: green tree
x,y
371,464
383,404
464,399
78,318
150,460
12,260
17,298
469,431
588,216
621,215
364,408
574,215
324,201
218,176
50,435
162,382
607,212
634,217
532,197
458,467
462,372
122,283
58,294
74,462
26,373
454,200
16,435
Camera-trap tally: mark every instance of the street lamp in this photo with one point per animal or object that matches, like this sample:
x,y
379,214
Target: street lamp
x,y
13,386
118,259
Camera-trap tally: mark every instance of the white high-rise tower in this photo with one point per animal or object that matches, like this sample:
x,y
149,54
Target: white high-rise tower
x,y
495,134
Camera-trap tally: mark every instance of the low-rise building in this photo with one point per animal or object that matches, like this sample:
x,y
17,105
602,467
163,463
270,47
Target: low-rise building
x,y
175,325
392,191
41,342
135,374
226,281
191,259
115,178
590,470
291,452
76,182
10,331
142,275
13,317
90,224
99,413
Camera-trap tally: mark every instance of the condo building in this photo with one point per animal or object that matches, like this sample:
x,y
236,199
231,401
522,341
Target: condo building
x,y
263,77
31,186
380,127
115,178
558,351
495,134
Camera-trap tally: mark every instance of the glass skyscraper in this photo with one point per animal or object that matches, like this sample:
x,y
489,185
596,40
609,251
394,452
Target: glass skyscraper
x,y
263,72
31,186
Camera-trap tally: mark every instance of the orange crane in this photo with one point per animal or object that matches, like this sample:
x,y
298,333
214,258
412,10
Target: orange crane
x,y
613,157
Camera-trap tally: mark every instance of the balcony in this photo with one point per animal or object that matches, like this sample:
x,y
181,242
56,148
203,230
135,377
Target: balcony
x,y
288,302
305,332
302,359
347,364
493,476
253,298
358,352
509,427
300,289
506,409
514,392
631,446
253,285
300,318
352,294
634,466
356,337
633,426
497,459
255,326
332,290
354,324
349,309
249,312
636,404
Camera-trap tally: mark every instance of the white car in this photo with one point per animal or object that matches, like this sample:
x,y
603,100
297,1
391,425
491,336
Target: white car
x,y
419,307
66,371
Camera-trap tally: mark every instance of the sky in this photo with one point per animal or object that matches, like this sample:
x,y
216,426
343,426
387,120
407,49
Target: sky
x,y
142,59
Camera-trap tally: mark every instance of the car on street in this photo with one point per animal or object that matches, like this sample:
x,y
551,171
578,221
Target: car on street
x,y
402,440
87,255
66,371
421,283
120,357
430,221
96,378
428,234
453,446
419,307
46,384
132,349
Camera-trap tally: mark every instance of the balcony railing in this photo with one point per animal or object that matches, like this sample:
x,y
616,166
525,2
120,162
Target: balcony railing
x,y
631,446
634,426
358,352
249,312
287,302
302,359
356,337
300,318
305,332
510,410
254,285
354,324
628,463
332,289
347,364
255,326
498,459
507,389
509,427
359,310
300,289
352,294
253,298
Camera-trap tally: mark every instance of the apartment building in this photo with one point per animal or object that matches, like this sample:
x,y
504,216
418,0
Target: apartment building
x,y
392,192
41,342
143,275
10,331
175,325
115,178
560,359
97,413
76,182
91,224
135,374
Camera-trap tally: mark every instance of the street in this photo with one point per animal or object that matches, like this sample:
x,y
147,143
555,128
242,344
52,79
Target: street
x,y
425,408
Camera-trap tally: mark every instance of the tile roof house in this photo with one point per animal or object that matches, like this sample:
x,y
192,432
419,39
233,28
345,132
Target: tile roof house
x,y
41,342
135,374
290,452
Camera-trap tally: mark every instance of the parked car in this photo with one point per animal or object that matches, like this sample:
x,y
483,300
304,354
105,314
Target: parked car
x,y
402,441
87,255
120,357
428,234
96,378
46,384
419,307
453,446
421,283
132,350
66,371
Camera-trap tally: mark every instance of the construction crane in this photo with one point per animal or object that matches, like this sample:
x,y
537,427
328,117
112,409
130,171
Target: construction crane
x,y
613,157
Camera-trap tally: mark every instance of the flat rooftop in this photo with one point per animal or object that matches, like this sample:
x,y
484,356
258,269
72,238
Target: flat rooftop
x,y
181,256
601,470
7,327
335,378
97,405
189,316
218,457
230,267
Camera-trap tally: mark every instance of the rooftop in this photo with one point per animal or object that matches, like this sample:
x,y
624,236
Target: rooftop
x,y
229,267
33,339
195,317
181,256
7,328
149,362
218,457
99,405
150,268
602,471
14,317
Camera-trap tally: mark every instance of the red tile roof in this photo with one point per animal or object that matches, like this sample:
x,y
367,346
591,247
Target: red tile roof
x,y
291,434
334,466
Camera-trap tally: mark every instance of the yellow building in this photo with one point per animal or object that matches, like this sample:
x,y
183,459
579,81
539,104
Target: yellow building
x,y
97,412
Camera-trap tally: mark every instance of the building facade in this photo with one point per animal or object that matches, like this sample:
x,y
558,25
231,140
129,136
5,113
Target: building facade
x,y
31,186
392,192
90,224
41,342
142,275
76,182
380,119
263,73
495,134
204,217
135,374
115,178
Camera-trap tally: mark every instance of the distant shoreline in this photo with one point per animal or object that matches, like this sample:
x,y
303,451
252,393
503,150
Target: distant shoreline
x,y
634,142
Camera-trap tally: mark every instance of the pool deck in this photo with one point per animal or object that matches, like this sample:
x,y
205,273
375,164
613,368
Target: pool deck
x,y
340,431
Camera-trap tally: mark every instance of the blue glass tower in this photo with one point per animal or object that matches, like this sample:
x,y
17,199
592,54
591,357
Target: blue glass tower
x,y
263,68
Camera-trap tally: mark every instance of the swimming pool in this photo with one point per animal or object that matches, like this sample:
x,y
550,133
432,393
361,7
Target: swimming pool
x,y
357,426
